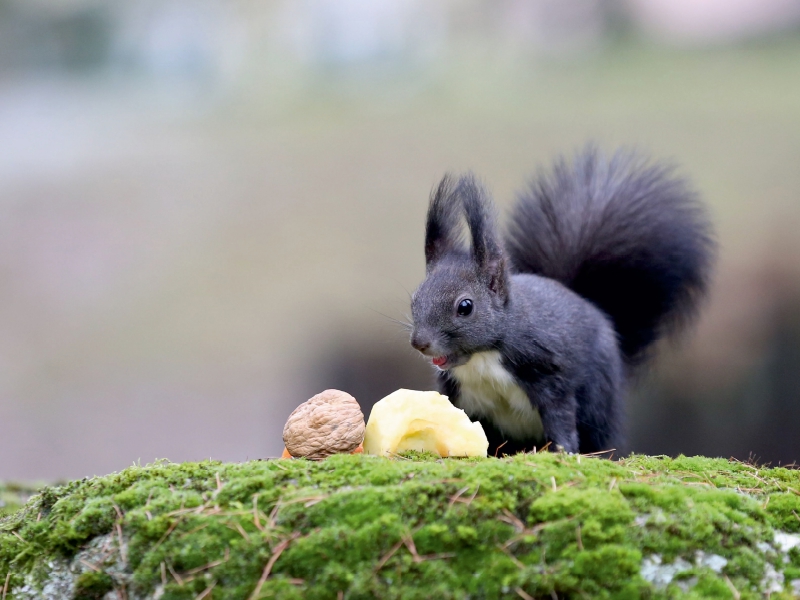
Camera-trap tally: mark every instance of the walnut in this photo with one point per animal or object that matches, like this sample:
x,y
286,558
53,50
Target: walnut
x,y
329,423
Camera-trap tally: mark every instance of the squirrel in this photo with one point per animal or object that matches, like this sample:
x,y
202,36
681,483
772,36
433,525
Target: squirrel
x,y
538,334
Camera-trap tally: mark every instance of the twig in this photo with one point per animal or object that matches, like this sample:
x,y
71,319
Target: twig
x,y
412,548
734,591
553,480
166,534
408,540
210,565
241,530
612,484
177,577
523,594
474,494
122,553
219,483
439,556
513,558
271,562
205,592
273,515
256,518
94,568
163,573
179,512
600,452
307,500
498,448
455,498
512,519
5,586
18,536
535,529
200,509
397,456
195,530
385,558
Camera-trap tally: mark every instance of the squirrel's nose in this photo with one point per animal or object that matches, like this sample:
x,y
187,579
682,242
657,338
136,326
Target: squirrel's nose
x,y
419,342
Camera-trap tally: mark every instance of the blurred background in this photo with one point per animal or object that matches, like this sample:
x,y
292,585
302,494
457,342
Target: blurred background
x,y
212,209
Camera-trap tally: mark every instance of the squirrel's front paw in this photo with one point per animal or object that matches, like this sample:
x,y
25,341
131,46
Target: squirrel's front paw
x,y
562,450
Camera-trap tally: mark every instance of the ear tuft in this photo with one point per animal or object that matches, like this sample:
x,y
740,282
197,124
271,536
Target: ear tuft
x,y
441,228
487,253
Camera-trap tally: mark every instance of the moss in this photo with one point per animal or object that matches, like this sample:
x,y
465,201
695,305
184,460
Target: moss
x,y
93,585
415,527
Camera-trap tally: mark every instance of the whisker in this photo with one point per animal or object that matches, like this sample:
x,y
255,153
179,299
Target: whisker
x,y
407,325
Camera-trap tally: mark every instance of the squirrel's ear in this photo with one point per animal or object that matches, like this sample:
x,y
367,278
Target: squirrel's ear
x,y
441,229
496,277
486,250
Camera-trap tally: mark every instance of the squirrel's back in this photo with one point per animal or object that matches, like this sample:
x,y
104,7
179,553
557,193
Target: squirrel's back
x,y
626,234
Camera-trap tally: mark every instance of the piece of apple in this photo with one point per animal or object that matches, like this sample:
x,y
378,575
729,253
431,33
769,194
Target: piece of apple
x,y
423,421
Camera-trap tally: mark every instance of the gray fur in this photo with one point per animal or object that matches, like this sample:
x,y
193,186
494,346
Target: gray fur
x,y
587,243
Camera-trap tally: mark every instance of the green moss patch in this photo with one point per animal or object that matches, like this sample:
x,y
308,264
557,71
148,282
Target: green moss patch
x,y
539,526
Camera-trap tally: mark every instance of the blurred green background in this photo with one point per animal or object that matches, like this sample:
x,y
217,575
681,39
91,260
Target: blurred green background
x,y
212,210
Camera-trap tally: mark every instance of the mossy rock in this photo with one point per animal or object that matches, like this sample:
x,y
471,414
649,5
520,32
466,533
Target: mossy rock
x,y
542,526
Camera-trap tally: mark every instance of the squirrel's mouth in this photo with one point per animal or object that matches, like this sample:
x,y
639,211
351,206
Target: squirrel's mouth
x,y
439,361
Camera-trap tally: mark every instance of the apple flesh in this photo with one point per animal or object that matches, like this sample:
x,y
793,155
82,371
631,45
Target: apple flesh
x,y
422,421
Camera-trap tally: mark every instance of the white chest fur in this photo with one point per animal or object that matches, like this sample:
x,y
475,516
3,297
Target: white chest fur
x,y
489,390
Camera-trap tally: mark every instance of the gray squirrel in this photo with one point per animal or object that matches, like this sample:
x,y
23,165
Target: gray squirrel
x,y
538,334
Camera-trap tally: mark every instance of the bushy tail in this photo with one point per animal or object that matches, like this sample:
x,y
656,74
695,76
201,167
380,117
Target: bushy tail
x,y
623,233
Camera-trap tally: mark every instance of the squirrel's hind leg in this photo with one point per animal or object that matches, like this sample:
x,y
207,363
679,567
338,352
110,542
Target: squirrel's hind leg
x,y
559,418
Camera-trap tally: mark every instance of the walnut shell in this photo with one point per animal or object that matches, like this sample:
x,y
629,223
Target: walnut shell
x,y
329,423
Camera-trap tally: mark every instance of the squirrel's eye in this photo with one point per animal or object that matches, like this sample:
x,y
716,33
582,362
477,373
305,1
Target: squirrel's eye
x,y
464,307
